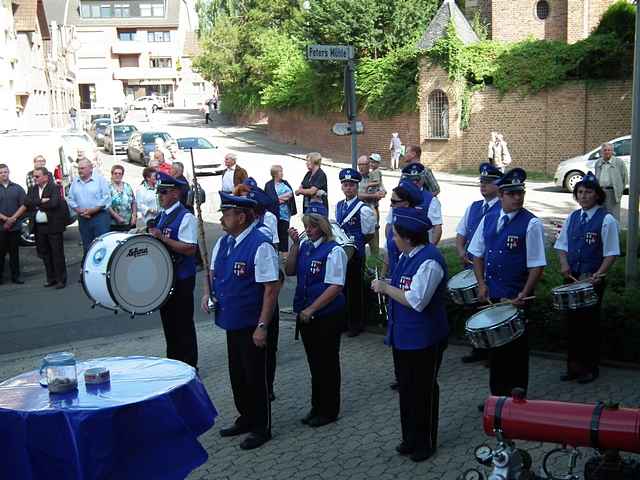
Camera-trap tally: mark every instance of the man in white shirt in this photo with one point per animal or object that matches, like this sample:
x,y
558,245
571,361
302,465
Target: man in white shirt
x,y
232,175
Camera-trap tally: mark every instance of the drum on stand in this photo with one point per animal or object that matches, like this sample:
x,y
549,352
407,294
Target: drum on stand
x,y
574,296
495,326
340,237
129,272
463,288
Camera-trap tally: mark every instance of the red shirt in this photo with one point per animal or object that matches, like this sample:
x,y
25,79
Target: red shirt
x,y
164,168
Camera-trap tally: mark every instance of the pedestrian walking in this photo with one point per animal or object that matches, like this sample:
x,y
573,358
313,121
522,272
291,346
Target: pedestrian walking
x,y
281,193
49,214
613,177
123,209
12,208
73,116
395,147
498,152
147,197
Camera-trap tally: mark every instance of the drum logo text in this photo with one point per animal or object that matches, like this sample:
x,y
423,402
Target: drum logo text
x,y
239,268
512,241
138,252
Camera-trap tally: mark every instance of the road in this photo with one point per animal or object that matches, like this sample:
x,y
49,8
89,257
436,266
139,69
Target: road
x,y
34,317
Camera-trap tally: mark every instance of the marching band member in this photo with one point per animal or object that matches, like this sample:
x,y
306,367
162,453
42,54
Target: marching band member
x,y
177,228
417,329
359,223
468,225
244,288
587,247
415,173
508,251
320,265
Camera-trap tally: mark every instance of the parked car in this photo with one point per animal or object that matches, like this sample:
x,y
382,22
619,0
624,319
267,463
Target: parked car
x,y
140,103
78,140
142,144
97,129
571,171
204,152
122,133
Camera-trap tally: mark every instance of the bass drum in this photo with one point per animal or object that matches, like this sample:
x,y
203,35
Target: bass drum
x,y
340,237
129,272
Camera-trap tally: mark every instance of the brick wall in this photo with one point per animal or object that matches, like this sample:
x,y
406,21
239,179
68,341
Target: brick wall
x,y
314,133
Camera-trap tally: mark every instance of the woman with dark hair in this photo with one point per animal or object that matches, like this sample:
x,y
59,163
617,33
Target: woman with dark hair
x,y
320,265
587,247
147,197
417,329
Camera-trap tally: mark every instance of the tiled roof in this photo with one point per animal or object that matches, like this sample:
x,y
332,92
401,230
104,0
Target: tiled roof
x,y
25,17
191,45
437,29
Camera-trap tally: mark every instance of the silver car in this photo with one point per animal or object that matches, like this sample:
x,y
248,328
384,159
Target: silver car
x,y
571,171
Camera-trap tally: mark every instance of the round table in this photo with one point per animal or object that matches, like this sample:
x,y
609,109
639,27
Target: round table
x,y
143,424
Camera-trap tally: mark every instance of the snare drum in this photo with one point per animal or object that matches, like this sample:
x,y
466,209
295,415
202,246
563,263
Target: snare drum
x,y
463,288
495,326
340,237
130,272
574,296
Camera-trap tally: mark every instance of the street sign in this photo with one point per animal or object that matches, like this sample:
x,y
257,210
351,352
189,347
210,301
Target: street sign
x,y
343,129
330,52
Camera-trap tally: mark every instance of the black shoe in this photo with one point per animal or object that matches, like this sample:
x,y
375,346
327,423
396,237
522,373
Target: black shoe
x,y
234,430
394,386
481,408
587,378
272,397
321,421
567,377
254,440
353,333
18,281
60,286
473,357
308,417
404,449
422,454
49,284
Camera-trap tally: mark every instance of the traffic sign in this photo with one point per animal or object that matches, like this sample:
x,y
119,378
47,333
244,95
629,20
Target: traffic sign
x,y
343,129
330,52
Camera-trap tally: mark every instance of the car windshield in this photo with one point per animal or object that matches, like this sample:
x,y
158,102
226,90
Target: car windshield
x,y
78,141
194,142
124,129
150,137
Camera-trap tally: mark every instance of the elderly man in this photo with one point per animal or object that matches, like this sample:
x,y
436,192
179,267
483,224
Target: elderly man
x,y
412,155
38,162
162,165
12,198
613,177
90,197
233,174
370,192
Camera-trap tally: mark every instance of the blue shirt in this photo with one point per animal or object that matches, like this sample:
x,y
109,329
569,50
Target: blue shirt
x,y
282,189
91,193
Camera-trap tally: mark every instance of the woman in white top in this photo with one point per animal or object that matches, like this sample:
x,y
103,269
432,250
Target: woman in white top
x,y
146,196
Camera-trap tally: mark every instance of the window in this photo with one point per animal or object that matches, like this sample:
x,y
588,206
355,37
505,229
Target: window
x,y
542,9
125,36
145,9
160,62
121,10
105,11
622,148
157,9
128,61
85,11
154,36
95,11
438,115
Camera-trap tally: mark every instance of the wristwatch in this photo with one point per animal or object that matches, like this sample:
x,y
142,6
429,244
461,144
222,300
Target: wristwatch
x,y
262,326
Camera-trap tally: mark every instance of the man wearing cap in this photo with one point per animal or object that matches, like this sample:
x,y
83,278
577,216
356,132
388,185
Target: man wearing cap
x,y
370,191
415,173
508,251
244,288
412,157
359,223
177,228
587,246
613,177
468,225
417,330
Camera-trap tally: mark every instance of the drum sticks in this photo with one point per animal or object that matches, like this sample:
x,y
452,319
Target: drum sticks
x,y
506,302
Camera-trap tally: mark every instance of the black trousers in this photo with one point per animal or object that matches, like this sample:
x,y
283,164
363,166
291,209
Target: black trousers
x,y
178,325
283,235
273,333
354,290
10,243
419,394
321,339
248,374
50,249
509,366
583,354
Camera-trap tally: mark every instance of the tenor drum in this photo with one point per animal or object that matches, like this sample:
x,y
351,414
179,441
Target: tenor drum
x,y
463,288
574,296
340,237
495,326
129,272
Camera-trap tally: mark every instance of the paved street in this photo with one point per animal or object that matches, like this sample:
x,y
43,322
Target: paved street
x,y
35,321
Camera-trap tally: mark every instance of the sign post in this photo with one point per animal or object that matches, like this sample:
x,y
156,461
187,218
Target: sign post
x,y
343,53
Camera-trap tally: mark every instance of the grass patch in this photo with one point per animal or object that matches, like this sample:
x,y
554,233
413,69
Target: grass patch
x,y
531,174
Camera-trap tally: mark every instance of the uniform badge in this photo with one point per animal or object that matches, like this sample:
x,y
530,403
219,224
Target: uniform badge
x,y
166,231
315,267
512,241
590,238
405,283
239,268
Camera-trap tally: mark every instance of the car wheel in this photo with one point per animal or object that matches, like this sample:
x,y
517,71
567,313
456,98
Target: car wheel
x,y
27,238
571,179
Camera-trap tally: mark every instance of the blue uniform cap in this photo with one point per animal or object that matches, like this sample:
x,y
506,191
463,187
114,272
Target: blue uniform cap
x,y
317,208
412,219
250,181
233,201
412,191
588,181
350,175
167,181
488,172
513,180
413,170
260,197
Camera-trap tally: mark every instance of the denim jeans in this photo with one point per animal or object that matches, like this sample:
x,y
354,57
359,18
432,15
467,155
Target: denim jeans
x,y
91,228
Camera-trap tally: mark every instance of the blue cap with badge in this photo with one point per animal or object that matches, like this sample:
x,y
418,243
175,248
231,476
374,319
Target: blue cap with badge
x,y
409,189
412,219
261,197
349,175
489,173
250,181
167,181
317,208
233,201
413,170
512,181
588,181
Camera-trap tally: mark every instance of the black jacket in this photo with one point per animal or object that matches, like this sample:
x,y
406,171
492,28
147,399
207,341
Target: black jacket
x,y
56,208
270,189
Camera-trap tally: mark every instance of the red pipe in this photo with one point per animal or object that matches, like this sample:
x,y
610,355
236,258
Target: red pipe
x,y
564,423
